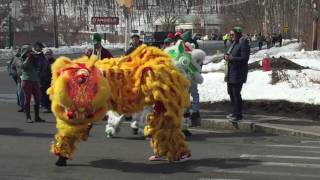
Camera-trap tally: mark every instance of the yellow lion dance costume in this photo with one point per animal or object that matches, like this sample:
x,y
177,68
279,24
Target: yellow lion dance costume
x,y
82,90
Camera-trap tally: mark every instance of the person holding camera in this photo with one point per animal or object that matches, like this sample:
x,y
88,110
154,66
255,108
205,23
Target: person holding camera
x,y
236,57
30,83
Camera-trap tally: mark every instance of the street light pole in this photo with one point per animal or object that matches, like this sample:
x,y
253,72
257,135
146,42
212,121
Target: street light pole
x,y
127,28
298,21
55,25
10,32
315,25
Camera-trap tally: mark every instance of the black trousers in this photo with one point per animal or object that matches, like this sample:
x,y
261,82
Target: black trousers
x,y
234,91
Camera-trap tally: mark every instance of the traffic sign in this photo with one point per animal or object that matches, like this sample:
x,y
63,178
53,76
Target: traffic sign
x,y
105,20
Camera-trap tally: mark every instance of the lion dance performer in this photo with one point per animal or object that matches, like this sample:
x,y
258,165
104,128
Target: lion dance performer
x,y
84,89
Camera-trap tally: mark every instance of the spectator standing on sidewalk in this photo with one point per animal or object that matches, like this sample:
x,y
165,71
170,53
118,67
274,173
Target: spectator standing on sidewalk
x,y
237,57
41,64
226,40
15,72
167,43
280,39
47,76
98,49
135,42
30,83
260,40
269,41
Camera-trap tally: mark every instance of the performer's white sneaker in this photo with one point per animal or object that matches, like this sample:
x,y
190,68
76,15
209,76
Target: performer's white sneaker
x,y
184,158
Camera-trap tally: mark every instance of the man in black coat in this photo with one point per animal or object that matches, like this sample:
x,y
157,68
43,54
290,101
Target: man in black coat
x,y
237,57
136,42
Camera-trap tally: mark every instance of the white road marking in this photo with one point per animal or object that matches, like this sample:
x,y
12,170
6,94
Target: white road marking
x,y
310,141
278,156
292,146
298,165
215,179
315,152
204,130
265,173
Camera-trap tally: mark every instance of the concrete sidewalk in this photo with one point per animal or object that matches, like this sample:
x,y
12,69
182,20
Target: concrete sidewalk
x,y
217,120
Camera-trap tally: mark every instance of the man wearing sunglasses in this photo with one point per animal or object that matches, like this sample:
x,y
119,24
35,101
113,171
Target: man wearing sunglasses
x,y
236,58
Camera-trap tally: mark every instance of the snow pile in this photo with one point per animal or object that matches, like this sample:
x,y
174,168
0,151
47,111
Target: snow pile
x,y
299,88
82,48
275,52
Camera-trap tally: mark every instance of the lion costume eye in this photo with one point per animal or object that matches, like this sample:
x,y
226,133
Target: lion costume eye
x,y
82,75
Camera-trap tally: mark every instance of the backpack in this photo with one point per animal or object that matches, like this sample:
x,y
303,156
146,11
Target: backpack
x,y
11,69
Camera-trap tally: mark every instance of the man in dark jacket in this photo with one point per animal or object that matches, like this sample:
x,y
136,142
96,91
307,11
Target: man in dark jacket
x,y
46,83
41,64
260,40
237,57
99,50
136,42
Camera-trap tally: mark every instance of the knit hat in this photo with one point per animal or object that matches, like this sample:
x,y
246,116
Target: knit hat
x,y
177,34
237,29
96,38
38,44
170,35
25,49
135,36
186,35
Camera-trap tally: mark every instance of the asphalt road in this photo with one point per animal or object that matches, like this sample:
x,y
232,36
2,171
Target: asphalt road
x,y
24,151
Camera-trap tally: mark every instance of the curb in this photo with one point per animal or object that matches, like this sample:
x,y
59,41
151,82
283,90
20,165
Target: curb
x,y
252,127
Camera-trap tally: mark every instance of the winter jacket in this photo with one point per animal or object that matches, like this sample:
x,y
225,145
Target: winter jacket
x,y
29,70
132,48
41,64
47,76
14,68
237,69
104,53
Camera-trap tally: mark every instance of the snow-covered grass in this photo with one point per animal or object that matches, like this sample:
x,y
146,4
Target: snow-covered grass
x,y
302,86
82,48
299,88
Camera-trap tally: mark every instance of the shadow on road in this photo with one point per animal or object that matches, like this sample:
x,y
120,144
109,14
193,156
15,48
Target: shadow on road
x,y
20,132
164,167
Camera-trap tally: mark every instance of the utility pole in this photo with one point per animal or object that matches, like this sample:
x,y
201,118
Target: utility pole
x,y
10,39
55,25
12,24
127,28
217,6
315,25
126,5
298,21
